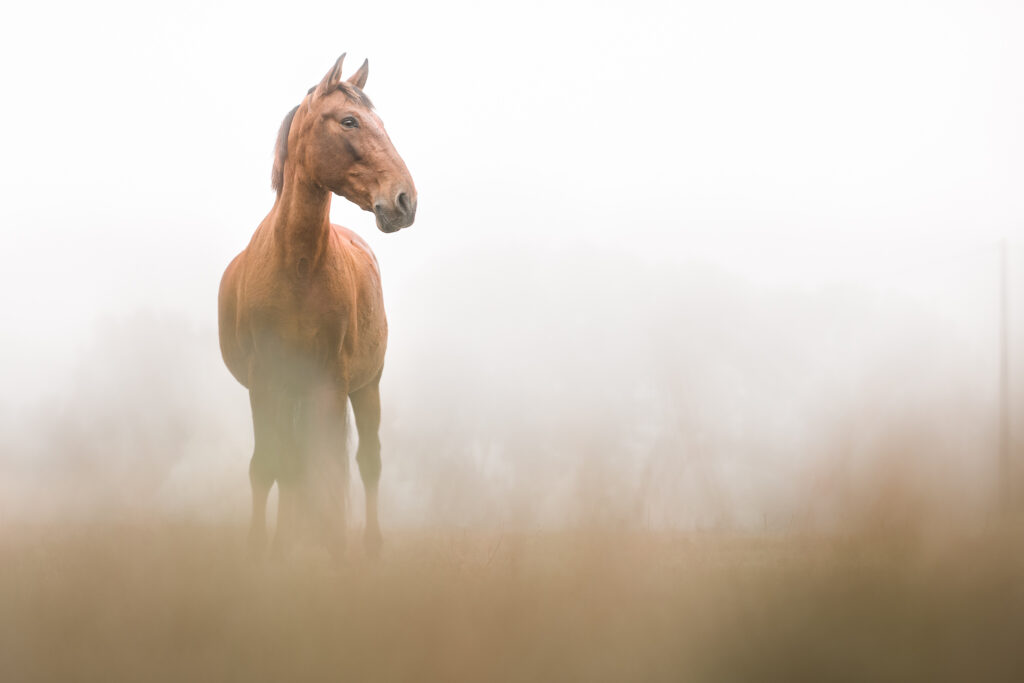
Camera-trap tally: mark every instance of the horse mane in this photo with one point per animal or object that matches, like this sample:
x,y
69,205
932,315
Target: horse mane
x,y
281,152
281,148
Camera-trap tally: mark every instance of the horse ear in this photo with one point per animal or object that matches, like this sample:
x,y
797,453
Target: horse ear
x,y
331,80
358,79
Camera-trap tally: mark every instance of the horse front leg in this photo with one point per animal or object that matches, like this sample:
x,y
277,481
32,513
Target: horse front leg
x,y
272,460
366,407
261,481
261,471
287,504
291,470
327,477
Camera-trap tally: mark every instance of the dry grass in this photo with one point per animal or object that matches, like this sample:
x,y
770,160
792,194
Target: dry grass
x,y
175,602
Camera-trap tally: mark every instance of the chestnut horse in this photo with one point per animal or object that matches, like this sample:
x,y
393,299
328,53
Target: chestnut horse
x,y
301,314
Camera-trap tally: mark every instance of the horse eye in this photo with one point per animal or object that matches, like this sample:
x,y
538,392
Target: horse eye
x,y
349,122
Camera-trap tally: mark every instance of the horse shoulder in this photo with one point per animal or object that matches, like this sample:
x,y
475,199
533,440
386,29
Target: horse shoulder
x,y
355,245
366,332
361,262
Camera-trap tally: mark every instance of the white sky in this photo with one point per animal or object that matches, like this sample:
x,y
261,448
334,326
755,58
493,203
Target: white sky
x,y
877,145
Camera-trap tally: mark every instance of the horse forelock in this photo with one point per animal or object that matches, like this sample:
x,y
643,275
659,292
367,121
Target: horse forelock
x,y
351,91
355,93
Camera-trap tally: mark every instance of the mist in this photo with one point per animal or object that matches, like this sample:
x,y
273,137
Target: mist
x,y
697,253
699,280
678,397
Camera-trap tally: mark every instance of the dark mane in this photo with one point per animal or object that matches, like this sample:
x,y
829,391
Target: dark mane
x,y
281,152
281,148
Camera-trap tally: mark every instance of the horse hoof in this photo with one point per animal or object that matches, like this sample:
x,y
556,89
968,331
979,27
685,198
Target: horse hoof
x,y
279,550
372,541
257,547
338,551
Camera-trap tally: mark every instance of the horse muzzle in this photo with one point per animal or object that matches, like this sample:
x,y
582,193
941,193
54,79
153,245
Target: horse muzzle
x,y
394,215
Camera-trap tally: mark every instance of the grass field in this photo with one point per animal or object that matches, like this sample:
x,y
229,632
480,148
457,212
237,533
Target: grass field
x,y
160,601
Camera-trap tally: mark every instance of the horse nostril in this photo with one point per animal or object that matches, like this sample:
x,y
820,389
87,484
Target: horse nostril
x,y
403,202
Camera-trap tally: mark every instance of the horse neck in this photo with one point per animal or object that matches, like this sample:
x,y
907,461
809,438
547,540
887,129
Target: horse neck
x,y
301,223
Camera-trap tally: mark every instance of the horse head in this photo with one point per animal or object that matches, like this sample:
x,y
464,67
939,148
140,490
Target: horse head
x,y
335,140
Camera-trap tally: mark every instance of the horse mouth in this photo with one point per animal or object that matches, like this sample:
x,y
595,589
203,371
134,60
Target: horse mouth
x,y
389,224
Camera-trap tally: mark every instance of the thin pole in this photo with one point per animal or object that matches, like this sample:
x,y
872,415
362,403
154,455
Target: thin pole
x,y
1005,469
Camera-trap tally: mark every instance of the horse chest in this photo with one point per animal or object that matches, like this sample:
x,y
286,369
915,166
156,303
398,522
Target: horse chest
x,y
305,324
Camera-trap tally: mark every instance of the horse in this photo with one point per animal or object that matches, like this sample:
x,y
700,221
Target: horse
x,y
301,313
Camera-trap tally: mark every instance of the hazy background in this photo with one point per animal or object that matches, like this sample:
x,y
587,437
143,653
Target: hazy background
x,y
700,265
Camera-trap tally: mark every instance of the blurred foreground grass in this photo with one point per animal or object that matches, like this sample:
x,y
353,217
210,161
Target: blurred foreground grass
x,y
181,602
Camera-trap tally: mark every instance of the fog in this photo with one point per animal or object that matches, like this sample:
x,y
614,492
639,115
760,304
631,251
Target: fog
x,y
694,368
684,265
